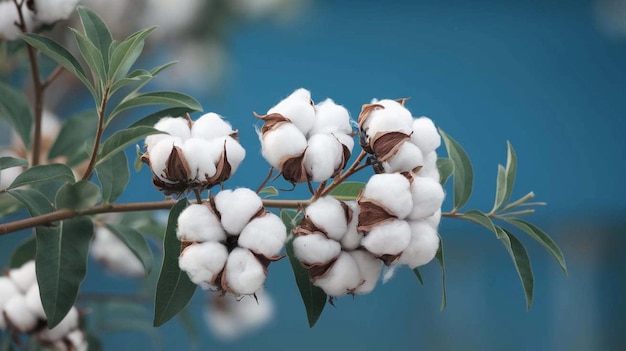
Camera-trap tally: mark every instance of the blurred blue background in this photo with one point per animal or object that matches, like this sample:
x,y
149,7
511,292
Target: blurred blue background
x,y
545,75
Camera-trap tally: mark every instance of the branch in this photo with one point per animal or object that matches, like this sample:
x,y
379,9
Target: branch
x,y
354,167
96,144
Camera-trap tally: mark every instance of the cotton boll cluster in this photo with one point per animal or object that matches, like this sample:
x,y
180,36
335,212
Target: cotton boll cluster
x,y
192,155
306,142
230,317
229,242
114,255
21,311
35,14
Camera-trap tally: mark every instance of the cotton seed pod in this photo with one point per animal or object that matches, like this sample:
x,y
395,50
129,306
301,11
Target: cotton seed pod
x,y
341,278
298,108
9,16
210,126
392,190
281,143
369,270
352,238
236,208
234,153
323,157
176,127
330,216
425,135
434,220
50,11
346,140
331,118
8,290
200,159
315,249
430,169
423,245
61,330
18,316
24,276
244,274
203,262
198,223
389,238
33,302
408,158
264,235
385,116
159,157
427,196
114,255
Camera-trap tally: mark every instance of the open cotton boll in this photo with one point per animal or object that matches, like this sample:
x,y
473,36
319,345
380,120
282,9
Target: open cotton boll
x,y
406,159
160,153
9,16
393,190
331,118
200,162
244,273
315,249
298,108
210,126
50,11
322,157
8,290
67,324
18,315
427,197
425,135
388,238
264,235
33,302
369,270
231,317
345,139
352,238
198,223
342,278
174,126
76,338
434,220
235,153
202,262
430,169
329,216
423,245
114,255
393,117
24,276
236,207
285,140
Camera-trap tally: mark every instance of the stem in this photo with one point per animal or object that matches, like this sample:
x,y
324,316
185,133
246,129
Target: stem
x,y
198,195
267,179
96,144
354,167
57,72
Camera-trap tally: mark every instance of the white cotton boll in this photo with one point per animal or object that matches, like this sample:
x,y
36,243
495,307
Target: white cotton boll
x,y
174,126
345,139
329,216
33,302
352,239
425,135
8,175
77,340
389,272
285,140
427,197
388,238
160,153
200,162
236,207
342,278
235,153
50,11
406,159
315,249
331,118
203,261
67,324
393,190
210,126
298,108
114,255
9,16
198,223
434,220
231,317
264,235
430,169
423,245
18,315
392,118
8,290
245,275
24,276
322,157
369,270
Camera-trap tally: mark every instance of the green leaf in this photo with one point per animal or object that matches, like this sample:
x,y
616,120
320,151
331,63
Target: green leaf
x,y
511,169
60,55
446,168
463,176
61,265
35,202
124,54
15,109
171,98
153,118
135,242
313,297
440,258
138,75
23,253
79,196
543,239
418,275
121,139
521,261
174,289
153,73
8,162
43,174
480,218
137,164
97,32
269,191
500,188
93,58
73,134
113,175
8,204
347,190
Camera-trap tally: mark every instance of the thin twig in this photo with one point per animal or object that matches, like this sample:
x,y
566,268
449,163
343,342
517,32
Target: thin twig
x,y
100,130
53,75
354,167
267,179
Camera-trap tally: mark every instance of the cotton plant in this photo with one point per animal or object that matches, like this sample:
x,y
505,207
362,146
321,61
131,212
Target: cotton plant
x,y
341,239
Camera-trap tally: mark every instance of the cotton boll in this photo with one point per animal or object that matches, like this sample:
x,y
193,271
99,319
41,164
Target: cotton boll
x,y
430,169
236,207
18,315
298,108
114,255
389,238
331,118
77,340
434,220
393,190
329,216
231,317
322,157
352,239
198,223
345,139
210,126
160,153
369,270
315,249
235,153
425,135
244,273
174,126
9,16
8,290
200,162
342,278
264,235
202,262
24,276
406,159
33,302
8,175
423,245
67,324
427,197
50,11
392,117
286,140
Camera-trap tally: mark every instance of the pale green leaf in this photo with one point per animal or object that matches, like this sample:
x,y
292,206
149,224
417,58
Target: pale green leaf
x,y
446,168
97,32
43,174
418,275
521,261
135,242
113,175
137,76
35,202
121,139
16,111
440,258
511,170
78,196
500,188
9,162
23,253
171,98
93,58
480,218
125,54
542,238
463,176
347,190
268,191
153,118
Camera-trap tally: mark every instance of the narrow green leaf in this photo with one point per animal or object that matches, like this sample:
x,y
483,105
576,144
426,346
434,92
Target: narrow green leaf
x,y
61,264
137,164
418,275
500,188
269,191
446,168
93,58
153,73
171,98
463,176
519,202
79,196
480,218
135,242
174,289
521,261
43,174
153,118
15,109
347,190
35,202
8,162
73,134
113,175
23,253
511,170
125,54
543,239
8,204
121,139
97,32
137,76
440,258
